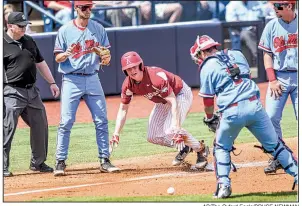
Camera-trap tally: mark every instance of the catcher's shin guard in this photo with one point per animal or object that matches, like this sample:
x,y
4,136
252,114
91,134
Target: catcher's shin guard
x,y
222,164
296,181
286,158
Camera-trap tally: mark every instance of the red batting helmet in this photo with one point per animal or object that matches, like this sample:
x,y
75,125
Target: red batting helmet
x,y
83,3
131,59
202,43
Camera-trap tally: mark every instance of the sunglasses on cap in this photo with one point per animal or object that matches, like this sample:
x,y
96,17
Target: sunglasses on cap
x,y
84,8
279,6
21,27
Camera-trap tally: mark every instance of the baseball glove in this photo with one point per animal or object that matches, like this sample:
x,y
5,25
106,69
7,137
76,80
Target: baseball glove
x,y
212,123
104,54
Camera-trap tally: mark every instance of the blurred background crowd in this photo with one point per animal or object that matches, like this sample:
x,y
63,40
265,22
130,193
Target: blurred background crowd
x,y
127,13
48,16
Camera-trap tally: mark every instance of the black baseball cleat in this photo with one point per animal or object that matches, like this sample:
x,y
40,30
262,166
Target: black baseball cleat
x,y
201,161
273,166
106,166
41,168
60,168
180,157
7,173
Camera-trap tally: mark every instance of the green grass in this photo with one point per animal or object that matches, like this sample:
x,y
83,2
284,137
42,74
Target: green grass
x,y
133,143
252,197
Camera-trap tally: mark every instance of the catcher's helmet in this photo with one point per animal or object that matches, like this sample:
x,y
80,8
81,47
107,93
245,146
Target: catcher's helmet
x,y
202,43
131,59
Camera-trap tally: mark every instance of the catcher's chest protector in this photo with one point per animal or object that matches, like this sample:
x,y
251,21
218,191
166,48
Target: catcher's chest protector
x,y
232,69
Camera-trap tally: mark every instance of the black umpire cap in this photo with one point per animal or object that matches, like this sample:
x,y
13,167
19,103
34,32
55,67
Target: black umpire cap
x,y
17,18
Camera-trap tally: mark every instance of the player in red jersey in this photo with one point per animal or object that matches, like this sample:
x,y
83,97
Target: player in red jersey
x,y
173,100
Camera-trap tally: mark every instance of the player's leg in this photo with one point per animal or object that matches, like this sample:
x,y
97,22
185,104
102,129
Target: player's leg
x,y
96,102
294,96
249,37
13,106
264,131
71,93
274,109
35,116
230,125
156,133
184,101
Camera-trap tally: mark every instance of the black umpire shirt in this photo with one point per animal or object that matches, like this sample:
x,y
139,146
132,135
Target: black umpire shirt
x,y
19,60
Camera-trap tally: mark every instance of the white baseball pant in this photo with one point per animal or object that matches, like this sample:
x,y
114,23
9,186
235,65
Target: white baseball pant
x,y
160,120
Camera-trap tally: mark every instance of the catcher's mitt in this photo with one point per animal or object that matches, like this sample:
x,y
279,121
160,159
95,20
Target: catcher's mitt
x,y
104,54
212,123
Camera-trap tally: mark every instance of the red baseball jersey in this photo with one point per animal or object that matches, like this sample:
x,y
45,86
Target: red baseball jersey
x,y
156,85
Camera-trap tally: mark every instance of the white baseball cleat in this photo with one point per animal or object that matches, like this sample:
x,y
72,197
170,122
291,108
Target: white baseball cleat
x,y
223,191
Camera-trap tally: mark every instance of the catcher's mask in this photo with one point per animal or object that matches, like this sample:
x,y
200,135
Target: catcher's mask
x,y
131,59
202,43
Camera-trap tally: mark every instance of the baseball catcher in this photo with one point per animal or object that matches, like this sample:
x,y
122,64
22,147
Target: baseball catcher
x,y
104,54
225,74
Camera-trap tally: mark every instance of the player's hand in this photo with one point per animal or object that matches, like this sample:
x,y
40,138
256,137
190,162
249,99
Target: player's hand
x,y
276,89
115,140
54,90
68,52
178,142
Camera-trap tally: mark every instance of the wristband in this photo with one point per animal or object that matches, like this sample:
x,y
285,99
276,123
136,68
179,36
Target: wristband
x,y
270,72
208,101
209,116
52,83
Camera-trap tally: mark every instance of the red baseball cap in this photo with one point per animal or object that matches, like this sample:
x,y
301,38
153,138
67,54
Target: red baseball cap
x,y
83,3
285,2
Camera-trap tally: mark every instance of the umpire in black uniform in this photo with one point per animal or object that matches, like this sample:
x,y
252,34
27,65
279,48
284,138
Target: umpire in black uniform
x,y
21,59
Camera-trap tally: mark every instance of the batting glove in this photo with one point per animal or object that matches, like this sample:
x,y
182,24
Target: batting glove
x,y
178,142
114,142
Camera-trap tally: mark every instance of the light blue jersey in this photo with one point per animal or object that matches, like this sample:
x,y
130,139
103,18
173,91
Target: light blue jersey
x,y
83,59
281,39
81,81
226,75
215,80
